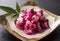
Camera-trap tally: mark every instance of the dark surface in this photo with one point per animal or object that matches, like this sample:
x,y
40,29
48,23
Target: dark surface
x,y
51,5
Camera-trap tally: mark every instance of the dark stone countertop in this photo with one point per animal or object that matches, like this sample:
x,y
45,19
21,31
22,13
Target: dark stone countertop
x,y
51,5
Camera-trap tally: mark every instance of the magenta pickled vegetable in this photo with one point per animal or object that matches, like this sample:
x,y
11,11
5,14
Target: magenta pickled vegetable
x,y
31,21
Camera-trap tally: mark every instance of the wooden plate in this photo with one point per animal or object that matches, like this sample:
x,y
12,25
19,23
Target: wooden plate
x,y
4,20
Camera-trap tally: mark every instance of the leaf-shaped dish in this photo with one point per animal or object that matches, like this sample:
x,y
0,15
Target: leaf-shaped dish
x,y
8,24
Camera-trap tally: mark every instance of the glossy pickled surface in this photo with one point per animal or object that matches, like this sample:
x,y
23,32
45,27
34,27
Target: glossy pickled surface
x,y
51,5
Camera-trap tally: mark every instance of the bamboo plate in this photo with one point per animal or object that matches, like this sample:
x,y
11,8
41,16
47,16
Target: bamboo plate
x,y
5,21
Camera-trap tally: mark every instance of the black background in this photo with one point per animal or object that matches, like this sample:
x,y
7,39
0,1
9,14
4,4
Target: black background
x,y
51,5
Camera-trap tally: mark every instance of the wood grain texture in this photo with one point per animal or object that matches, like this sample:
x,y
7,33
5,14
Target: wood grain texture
x,y
6,25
